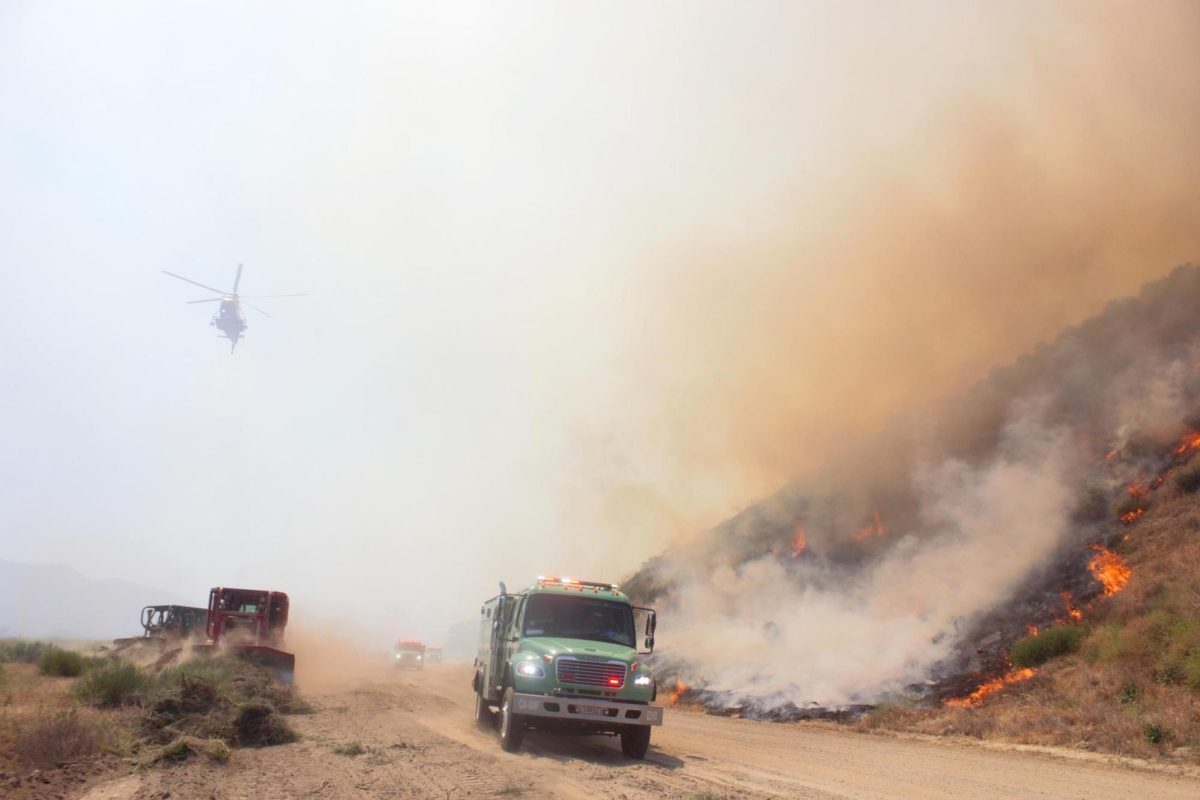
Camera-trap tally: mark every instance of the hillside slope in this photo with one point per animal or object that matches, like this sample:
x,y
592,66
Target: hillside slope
x,y
911,563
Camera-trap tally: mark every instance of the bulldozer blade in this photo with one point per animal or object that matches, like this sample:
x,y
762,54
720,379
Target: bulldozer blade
x,y
280,663
142,642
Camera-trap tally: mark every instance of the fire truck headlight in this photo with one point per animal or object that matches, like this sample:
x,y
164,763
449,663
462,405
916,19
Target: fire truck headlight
x,y
643,680
530,669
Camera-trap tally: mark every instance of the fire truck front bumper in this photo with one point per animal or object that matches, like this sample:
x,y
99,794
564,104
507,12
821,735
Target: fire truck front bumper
x,y
578,709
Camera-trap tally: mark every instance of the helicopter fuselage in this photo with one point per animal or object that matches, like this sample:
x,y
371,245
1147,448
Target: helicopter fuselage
x,y
229,319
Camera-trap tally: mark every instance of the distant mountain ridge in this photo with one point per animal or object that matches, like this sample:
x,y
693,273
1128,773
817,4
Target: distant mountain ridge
x,y
55,601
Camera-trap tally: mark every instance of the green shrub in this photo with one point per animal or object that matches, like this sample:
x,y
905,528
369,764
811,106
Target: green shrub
x,y
22,651
115,683
1059,640
1188,479
1156,733
63,663
3,678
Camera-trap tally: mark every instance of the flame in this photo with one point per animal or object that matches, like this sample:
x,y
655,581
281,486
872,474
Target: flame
x,y
975,698
677,692
1189,443
1033,630
799,541
1111,455
1074,613
1138,488
1132,516
1109,570
875,529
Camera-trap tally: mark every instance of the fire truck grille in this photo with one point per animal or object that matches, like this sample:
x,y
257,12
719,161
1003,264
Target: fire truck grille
x,y
609,674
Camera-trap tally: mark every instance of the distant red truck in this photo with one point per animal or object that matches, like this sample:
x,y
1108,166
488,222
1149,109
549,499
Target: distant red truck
x,y
410,654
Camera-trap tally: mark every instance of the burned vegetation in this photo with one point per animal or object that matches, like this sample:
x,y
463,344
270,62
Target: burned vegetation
x,y
957,554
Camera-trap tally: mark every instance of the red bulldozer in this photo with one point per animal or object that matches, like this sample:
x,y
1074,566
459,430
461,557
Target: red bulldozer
x,y
250,623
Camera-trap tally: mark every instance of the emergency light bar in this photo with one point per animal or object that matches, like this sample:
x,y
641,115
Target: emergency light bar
x,y
544,581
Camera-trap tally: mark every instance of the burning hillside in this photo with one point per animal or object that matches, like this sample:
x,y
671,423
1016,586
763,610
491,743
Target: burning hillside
x,y
912,563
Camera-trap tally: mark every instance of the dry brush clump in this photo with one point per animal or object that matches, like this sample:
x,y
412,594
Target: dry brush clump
x,y
225,699
55,738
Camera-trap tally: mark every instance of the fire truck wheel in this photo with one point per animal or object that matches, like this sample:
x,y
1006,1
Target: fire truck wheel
x,y
512,725
635,741
483,713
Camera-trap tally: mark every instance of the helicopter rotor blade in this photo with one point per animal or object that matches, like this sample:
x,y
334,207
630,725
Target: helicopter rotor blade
x,y
259,310
237,279
209,300
195,283
264,296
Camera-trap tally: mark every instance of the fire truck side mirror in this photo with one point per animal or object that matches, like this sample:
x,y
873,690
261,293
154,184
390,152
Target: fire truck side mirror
x,y
649,644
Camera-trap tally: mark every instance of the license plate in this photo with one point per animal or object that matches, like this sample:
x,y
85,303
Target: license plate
x,y
597,710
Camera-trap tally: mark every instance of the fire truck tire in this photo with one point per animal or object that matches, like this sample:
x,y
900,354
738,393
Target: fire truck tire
x,y
635,741
483,713
512,725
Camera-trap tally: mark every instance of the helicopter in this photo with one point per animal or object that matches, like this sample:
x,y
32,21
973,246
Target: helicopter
x,y
228,318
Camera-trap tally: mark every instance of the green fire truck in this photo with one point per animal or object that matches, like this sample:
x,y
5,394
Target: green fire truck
x,y
563,656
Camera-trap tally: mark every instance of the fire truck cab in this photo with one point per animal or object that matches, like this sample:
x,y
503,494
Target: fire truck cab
x,y
564,656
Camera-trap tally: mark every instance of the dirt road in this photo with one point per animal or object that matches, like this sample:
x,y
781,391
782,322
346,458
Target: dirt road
x,y
418,740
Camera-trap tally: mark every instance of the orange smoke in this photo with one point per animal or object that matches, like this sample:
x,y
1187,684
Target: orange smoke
x,y
1109,570
976,697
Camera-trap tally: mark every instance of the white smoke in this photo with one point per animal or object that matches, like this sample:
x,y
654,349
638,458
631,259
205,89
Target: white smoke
x,y
767,632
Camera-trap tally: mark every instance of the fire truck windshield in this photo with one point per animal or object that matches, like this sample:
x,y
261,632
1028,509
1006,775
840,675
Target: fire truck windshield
x,y
579,617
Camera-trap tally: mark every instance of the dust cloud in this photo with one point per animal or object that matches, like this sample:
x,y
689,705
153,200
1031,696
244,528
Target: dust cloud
x,y
328,660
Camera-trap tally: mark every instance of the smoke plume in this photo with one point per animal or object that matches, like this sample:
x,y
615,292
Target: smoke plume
x,y
1051,168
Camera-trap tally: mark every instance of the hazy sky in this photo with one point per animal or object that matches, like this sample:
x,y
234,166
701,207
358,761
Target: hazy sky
x,y
534,238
